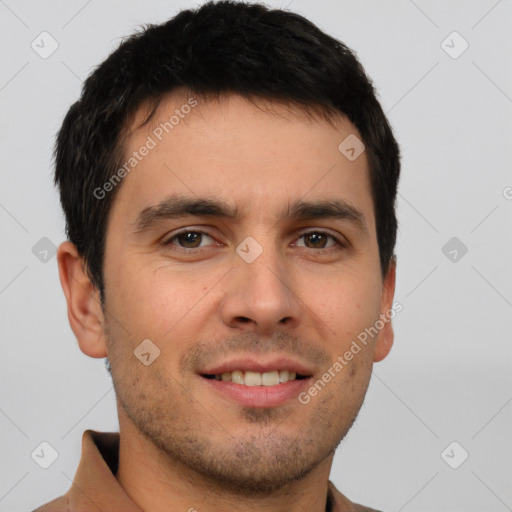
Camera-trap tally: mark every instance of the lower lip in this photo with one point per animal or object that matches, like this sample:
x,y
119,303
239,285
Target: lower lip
x,y
259,396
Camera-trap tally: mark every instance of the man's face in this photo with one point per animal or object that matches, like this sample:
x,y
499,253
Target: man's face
x,y
283,285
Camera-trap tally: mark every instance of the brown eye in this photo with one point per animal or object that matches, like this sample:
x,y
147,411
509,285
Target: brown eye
x,y
315,239
319,240
188,239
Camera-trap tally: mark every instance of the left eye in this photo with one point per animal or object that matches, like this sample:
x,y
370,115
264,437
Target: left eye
x,y
318,240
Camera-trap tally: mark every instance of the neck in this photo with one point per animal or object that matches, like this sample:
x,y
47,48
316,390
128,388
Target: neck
x,y
156,482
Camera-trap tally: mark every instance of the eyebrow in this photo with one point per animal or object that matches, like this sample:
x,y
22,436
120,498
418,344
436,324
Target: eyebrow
x,y
177,206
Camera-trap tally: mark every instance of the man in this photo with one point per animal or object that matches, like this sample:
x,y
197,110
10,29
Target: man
x,y
229,181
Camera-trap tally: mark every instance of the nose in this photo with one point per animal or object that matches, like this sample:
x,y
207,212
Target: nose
x,y
260,296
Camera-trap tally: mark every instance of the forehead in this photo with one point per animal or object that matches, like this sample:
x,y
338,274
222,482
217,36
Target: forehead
x,y
252,154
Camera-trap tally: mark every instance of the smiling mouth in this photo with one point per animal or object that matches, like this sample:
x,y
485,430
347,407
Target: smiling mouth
x,y
250,378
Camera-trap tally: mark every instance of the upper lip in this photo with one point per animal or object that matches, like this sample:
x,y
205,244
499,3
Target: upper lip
x,y
258,364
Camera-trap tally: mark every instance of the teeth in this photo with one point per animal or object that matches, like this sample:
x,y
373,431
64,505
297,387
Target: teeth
x,y
270,378
252,379
237,377
256,378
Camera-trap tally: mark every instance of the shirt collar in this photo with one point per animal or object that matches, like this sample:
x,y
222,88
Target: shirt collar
x,y
96,487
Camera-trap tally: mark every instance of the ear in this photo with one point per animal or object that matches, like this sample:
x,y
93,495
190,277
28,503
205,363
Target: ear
x,y
83,299
386,335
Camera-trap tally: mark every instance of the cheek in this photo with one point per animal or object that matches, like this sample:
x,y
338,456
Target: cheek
x,y
159,301
347,304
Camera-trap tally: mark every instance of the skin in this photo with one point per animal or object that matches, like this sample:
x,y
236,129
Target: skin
x,y
181,442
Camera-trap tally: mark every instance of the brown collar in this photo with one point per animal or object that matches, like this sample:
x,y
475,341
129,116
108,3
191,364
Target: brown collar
x,y
95,486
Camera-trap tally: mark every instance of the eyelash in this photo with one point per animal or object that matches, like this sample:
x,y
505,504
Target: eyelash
x,y
168,242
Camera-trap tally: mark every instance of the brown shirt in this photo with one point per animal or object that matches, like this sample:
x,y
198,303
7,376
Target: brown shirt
x,y
95,486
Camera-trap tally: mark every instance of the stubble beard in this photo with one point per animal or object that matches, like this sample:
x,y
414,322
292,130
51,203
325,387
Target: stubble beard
x,y
258,456
259,460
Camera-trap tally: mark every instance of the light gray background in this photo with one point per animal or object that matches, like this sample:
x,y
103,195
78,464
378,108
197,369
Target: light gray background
x,y
448,376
